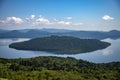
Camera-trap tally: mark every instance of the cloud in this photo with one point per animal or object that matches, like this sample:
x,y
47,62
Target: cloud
x,y
78,24
14,20
69,18
32,20
2,21
107,17
11,20
41,21
55,22
32,16
67,23
64,23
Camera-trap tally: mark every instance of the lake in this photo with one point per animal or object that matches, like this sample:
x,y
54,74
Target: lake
x,y
109,54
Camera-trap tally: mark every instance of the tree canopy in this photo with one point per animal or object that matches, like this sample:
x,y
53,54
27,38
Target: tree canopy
x,y
61,45
57,68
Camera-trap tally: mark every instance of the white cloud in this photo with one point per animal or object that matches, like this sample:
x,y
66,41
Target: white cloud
x,y
107,17
14,19
55,22
69,18
11,20
41,21
78,24
67,23
32,16
64,23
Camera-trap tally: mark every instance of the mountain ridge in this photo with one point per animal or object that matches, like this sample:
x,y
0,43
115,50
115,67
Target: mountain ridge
x,y
32,33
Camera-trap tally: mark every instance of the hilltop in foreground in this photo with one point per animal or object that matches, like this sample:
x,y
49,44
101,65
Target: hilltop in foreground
x,y
61,45
56,68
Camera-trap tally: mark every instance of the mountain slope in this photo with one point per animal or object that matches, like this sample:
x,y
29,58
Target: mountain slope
x,y
57,68
32,33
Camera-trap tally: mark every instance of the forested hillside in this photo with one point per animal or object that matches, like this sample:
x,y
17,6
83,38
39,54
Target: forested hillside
x,y
57,68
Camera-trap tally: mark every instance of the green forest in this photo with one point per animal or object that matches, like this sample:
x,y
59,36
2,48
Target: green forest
x,y
61,45
57,68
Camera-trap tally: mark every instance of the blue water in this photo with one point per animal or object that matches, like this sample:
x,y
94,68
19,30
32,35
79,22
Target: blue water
x,y
109,54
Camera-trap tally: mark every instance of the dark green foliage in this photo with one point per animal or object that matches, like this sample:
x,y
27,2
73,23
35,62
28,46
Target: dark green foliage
x,y
57,68
61,45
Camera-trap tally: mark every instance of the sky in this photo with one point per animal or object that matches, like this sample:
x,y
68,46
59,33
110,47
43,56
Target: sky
x,y
100,15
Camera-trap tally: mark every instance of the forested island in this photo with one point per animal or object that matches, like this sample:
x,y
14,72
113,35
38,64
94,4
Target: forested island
x,y
61,45
57,68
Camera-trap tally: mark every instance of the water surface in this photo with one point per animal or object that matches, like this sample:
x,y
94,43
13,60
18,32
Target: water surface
x,y
109,54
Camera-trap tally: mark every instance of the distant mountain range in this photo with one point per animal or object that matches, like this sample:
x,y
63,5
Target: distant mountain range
x,y
4,31
32,33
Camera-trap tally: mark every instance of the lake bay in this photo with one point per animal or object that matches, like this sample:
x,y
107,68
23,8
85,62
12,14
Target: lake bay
x,y
108,54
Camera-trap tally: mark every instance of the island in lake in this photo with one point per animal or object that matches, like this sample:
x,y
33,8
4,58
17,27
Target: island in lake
x,y
61,45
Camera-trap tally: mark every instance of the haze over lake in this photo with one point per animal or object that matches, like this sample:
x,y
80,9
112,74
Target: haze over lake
x,y
109,54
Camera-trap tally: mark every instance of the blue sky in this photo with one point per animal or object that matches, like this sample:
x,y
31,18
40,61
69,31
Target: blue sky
x,y
61,14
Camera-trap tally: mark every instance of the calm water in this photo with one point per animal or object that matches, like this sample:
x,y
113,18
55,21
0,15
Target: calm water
x,y
101,56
